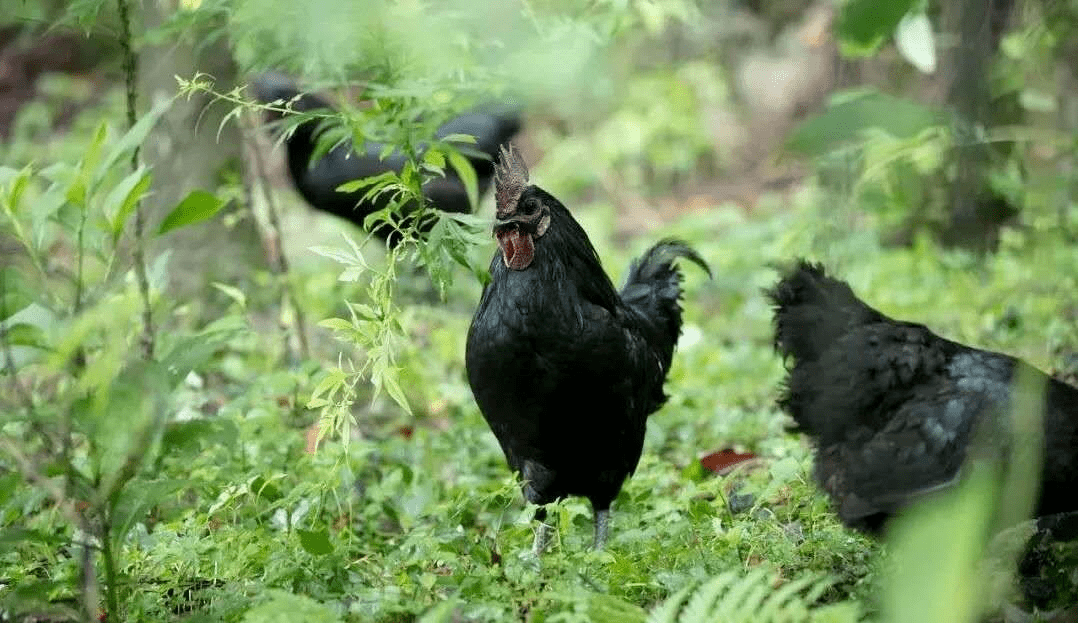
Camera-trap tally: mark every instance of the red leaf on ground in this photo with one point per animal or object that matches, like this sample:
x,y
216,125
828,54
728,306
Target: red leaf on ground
x,y
723,461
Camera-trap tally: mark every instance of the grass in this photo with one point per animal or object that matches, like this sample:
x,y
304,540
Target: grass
x,y
417,517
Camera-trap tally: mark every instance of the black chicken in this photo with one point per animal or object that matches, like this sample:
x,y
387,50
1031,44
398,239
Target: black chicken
x,y
894,408
318,181
564,368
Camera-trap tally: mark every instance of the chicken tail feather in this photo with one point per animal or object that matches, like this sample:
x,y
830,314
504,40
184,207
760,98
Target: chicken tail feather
x,y
653,289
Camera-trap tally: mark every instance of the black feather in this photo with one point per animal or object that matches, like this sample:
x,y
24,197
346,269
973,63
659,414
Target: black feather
x,y
564,369
894,408
317,181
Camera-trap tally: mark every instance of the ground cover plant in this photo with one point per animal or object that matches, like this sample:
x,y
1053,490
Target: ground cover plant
x,y
296,440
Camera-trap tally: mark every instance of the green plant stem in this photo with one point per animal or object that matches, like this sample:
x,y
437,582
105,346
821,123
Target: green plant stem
x,y
130,75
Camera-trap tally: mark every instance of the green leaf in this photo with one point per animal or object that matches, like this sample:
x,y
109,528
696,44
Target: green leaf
x,y
264,489
668,610
315,542
467,175
459,138
1035,100
187,352
22,334
15,184
288,608
132,139
916,43
336,324
197,206
864,24
136,500
374,180
91,158
193,435
14,535
8,173
443,612
434,159
393,388
846,120
233,293
610,609
949,530
122,199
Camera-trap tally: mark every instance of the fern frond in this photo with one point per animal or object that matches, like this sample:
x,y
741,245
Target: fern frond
x,y
737,597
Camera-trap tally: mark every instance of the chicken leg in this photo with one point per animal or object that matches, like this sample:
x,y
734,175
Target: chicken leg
x,y
602,527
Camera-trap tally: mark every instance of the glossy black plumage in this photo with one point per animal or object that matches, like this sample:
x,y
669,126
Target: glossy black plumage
x,y
894,408
317,181
566,369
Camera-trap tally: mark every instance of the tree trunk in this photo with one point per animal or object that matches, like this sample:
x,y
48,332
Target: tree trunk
x,y
976,212
188,150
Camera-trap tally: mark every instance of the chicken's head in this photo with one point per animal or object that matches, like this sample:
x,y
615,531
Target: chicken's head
x,y
521,215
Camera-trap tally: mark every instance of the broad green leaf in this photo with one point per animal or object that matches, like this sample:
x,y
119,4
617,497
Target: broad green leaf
x,y
864,24
264,489
949,531
284,607
191,435
610,609
316,542
136,500
443,612
14,535
845,122
127,419
21,334
916,43
197,206
467,175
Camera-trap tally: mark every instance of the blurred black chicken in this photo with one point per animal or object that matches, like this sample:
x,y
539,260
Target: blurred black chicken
x,y
564,368
318,181
894,408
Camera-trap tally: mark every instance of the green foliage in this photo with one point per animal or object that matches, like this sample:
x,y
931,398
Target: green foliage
x,y
195,472
864,24
852,114
197,206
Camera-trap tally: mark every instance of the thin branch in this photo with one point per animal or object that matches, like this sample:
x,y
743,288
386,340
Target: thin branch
x,y
130,66
274,248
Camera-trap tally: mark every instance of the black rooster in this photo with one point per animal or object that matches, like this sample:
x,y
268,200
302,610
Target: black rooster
x,y
318,181
894,408
564,368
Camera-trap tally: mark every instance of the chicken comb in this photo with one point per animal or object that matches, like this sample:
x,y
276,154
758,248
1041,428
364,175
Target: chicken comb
x,y
510,180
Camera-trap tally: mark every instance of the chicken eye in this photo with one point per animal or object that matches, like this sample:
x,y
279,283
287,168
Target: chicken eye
x,y
530,206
